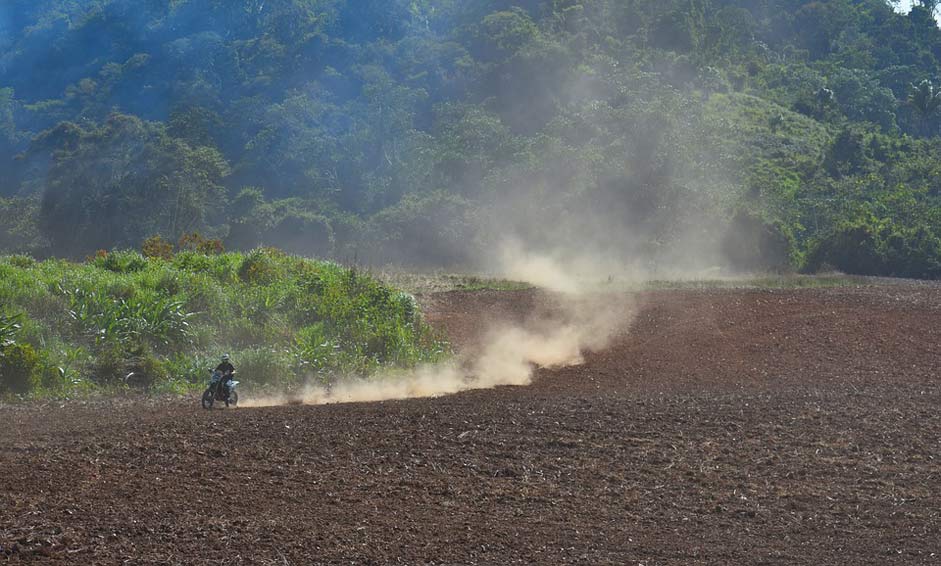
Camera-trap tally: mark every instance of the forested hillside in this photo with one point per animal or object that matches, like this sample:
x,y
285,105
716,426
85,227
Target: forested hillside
x,y
753,134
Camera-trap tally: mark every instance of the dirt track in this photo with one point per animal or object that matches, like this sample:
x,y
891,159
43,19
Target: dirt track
x,y
726,427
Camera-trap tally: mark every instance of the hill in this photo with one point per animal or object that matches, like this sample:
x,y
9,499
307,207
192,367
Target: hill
x,y
751,134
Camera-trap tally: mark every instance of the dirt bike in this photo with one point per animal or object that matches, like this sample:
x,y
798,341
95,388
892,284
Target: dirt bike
x,y
219,392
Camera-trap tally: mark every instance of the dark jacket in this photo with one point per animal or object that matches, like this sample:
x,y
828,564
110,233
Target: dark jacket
x,y
225,368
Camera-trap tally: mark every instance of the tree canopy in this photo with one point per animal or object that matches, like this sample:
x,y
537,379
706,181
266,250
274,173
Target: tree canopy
x,y
415,131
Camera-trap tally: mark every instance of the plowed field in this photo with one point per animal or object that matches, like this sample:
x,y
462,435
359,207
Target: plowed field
x,y
721,427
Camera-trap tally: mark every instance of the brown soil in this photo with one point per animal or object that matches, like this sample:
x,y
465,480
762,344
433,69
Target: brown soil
x,y
725,427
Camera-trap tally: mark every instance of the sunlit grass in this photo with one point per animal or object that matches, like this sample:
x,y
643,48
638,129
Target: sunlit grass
x,y
124,321
756,282
423,283
444,282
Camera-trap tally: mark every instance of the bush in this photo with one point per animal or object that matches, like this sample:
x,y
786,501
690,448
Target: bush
x,y
426,231
191,369
171,386
157,320
871,248
63,367
851,248
261,267
913,253
315,351
751,244
197,243
241,332
192,261
157,247
110,366
302,234
144,370
22,261
264,366
10,326
19,369
204,295
120,262
166,282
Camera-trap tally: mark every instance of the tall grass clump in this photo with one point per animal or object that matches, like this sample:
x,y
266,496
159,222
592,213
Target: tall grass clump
x,y
19,363
158,322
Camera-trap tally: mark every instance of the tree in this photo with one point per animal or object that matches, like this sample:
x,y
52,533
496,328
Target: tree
x,y
925,98
862,98
847,154
930,5
7,122
124,181
824,98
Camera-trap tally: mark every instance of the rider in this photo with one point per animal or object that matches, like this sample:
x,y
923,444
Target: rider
x,y
226,369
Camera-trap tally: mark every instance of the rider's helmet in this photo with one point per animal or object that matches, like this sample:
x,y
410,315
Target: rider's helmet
x,y
225,357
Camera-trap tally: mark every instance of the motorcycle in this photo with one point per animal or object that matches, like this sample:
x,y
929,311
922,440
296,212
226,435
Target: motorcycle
x,y
219,392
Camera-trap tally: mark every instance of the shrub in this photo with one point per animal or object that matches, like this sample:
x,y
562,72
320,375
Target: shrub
x,y
167,282
913,253
204,295
33,332
303,234
750,243
120,261
428,230
110,366
872,247
264,366
851,248
22,261
9,327
158,320
47,306
878,248
144,369
19,369
191,369
241,332
408,306
157,247
192,261
63,366
197,243
261,266
172,386
315,350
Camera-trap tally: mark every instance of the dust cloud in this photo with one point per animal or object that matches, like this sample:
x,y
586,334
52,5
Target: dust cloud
x,y
581,319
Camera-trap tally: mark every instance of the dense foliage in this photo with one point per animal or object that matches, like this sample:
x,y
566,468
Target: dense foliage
x,y
124,320
778,132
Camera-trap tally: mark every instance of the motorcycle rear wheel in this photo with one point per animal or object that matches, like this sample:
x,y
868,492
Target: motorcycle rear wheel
x,y
233,399
208,398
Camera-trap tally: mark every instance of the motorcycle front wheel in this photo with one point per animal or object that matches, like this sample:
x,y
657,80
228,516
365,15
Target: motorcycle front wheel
x,y
208,398
233,399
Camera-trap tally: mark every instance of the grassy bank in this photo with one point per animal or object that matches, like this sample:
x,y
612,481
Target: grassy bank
x,y
442,282
122,321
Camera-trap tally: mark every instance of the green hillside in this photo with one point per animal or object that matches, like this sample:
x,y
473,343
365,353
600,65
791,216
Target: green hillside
x,y
749,134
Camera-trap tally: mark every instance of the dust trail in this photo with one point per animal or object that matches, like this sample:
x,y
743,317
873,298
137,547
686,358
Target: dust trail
x,y
545,270
509,353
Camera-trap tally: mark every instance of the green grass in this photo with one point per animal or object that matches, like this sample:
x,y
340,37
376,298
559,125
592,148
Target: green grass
x,y
758,282
444,282
124,321
421,283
